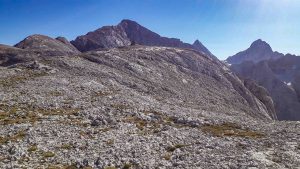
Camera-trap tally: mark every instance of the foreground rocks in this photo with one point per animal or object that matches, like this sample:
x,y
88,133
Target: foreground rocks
x,y
137,107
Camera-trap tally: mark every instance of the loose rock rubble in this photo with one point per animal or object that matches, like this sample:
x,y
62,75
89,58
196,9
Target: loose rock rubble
x,y
137,107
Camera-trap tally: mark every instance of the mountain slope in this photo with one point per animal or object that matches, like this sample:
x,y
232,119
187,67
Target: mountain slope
x,y
41,43
138,106
67,43
200,47
127,33
11,55
258,51
281,78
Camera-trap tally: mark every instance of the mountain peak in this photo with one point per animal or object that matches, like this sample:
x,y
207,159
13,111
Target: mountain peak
x,y
197,42
129,32
260,44
258,51
128,21
200,47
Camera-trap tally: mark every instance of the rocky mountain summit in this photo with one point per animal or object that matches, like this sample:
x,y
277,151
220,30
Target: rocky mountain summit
x,y
200,47
50,46
279,76
134,107
258,51
129,32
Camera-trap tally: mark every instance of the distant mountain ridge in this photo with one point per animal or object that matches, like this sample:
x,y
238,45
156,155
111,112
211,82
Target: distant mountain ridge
x,y
127,33
258,51
278,73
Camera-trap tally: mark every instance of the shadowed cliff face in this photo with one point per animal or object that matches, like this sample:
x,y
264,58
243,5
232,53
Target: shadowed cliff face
x,y
277,73
281,78
127,33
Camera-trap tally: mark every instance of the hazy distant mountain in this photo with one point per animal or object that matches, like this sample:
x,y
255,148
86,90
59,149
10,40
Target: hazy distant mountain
x,y
278,73
258,51
128,33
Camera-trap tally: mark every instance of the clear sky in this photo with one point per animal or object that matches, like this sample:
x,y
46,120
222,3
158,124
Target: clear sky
x,y
225,27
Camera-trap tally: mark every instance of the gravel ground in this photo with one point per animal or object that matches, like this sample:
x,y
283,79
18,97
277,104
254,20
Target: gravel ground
x,y
137,107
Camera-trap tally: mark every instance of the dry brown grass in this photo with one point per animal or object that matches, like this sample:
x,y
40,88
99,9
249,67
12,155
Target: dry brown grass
x,y
20,78
230,130
48,154
167,156
140,123
110,142
14,138
23,113
32,148
121,107
176,146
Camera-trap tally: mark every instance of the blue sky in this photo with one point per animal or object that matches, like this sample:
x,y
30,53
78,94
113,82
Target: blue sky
x,y
225,27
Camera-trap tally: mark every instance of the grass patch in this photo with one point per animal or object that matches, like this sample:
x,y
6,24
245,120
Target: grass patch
x,y
140,123
70,167
48,154
32,148
127,166
14,138
176,146
53,167
20,78
120,107
110,167
104,93
152,126
167,156
24,113
110,142
55,93
66,146
230,130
